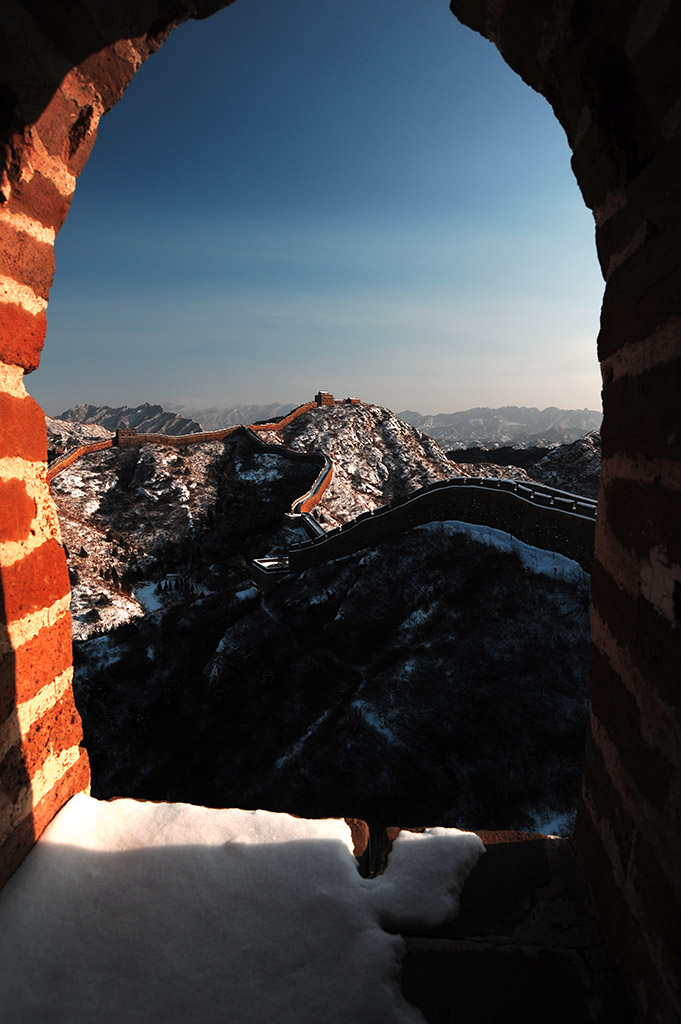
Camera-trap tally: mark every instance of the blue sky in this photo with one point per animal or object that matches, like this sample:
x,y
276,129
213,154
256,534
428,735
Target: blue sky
x,y
358,196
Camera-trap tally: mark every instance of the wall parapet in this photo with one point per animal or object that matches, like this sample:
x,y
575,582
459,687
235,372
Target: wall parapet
x,y
542,516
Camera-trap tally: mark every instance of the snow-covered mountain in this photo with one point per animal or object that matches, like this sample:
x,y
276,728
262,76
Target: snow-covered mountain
x,y
150,419
377,457
132,517
510,425
438,677
65,434
572,467
129,516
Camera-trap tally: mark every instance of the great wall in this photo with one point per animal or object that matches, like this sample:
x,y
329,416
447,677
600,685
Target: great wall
x,y
610,72
542,516
126,438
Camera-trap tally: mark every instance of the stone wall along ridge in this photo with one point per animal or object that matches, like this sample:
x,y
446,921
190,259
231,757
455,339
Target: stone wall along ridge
x,y
68,458
130,439
542,516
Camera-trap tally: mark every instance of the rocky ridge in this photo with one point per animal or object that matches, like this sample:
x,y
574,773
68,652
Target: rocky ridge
x,y
126,514
214,417
435,678
183,519
574,467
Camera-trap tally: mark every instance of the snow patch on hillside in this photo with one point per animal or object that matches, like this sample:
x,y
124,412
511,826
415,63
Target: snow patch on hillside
x,y
548,563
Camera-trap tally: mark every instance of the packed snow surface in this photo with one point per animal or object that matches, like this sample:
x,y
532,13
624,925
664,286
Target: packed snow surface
x,y
132,911
536,560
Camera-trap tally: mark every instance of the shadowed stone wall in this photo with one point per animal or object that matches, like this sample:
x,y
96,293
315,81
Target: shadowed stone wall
x,y
609,68
543,527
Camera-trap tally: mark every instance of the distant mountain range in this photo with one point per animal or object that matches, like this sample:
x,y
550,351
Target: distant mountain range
x,y
511,425
146,418
516,426
215,418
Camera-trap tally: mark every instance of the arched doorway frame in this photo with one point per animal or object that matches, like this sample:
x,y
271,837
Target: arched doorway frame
x,y
610,77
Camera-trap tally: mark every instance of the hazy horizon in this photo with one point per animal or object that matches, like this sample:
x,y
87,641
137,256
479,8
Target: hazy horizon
x,y
358,197
193,410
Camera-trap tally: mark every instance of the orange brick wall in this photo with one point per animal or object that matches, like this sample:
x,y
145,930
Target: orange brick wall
x,y
40,731
61,69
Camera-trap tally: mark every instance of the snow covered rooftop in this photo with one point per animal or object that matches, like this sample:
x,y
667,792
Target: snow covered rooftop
x,y
134,911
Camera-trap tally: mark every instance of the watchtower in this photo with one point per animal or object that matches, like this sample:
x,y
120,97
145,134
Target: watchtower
x,y
125,436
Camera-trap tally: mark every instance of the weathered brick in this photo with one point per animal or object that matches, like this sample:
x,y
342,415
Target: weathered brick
x,y
80,140
40,199
18,510
112,73
621,929
58,729
617,711
36,581
642,414
18,844
24,672
7,687
15,848
22,429
21,336
27,260
61,125
617,234
606,801
639,516
661,898
75,780
14,775
77,38
41,659
641,293
652,647
654,64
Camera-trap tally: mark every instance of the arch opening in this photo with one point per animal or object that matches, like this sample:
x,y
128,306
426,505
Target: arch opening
x,y
508,809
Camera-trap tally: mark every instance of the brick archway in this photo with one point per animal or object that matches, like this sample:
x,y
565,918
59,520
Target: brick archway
x,y
609,72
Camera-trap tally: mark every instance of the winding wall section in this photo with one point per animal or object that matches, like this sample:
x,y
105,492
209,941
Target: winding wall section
x,y
167,440
542,516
